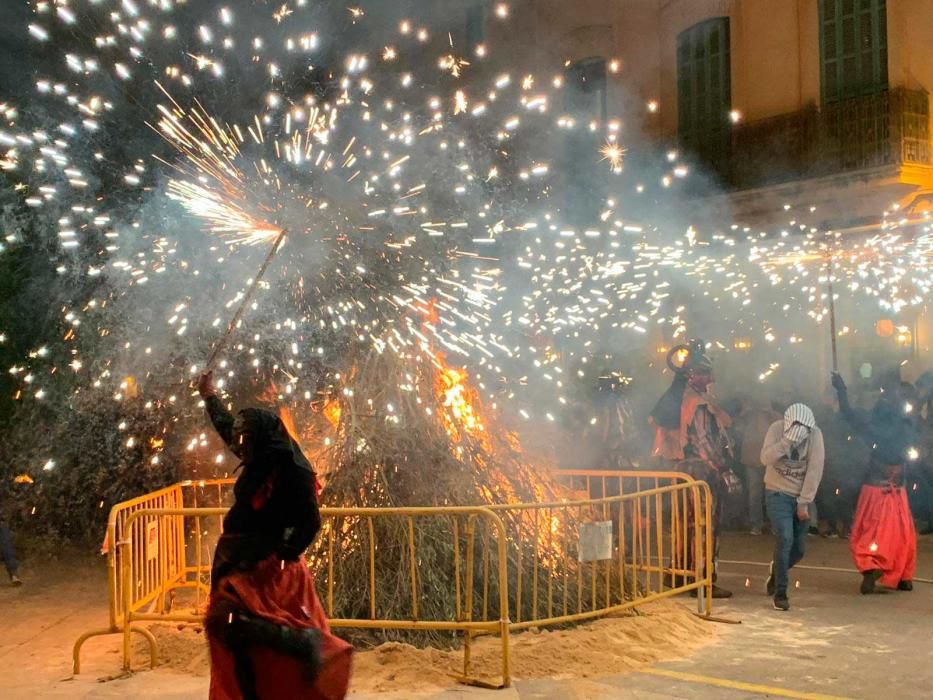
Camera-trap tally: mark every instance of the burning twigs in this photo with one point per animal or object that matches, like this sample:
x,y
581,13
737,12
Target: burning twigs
x,y
434,446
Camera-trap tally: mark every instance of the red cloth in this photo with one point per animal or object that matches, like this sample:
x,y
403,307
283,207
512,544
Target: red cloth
x,y
883,535
281,592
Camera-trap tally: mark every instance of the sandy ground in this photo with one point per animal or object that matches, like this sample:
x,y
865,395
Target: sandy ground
x,y
42,619
834,643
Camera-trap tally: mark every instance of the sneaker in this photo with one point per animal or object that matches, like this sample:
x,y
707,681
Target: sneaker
x,y
905,586
755,531
781,602
769,584
16,581
868,581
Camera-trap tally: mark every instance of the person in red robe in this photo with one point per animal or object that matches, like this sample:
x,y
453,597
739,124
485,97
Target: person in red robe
x,y
691,435
268,633
883,540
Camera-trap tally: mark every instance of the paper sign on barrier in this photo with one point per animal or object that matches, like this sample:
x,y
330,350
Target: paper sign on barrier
x,y
596,541
152,541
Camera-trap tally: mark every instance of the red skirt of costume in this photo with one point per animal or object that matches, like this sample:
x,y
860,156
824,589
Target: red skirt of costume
x,y
284,595
883,535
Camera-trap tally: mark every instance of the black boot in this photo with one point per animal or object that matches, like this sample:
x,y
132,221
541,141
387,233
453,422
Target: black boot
x,y
781,602
905,586
868,581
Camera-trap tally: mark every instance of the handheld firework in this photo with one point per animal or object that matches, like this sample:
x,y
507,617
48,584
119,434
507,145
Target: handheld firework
x,y
247,299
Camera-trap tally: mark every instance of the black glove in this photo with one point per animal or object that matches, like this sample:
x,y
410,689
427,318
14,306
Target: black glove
x,y
839,383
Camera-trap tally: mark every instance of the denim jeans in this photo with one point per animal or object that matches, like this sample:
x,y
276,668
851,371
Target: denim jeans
x,y
755,478
7,552
790,535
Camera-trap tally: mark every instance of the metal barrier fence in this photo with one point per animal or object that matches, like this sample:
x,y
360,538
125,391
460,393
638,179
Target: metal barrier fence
x,y
523,561
603,483
164,559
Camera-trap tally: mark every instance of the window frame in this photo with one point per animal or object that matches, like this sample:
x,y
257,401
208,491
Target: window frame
x,y
704,90
834,87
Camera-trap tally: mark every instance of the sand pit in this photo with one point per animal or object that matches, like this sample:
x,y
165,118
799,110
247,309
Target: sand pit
x,y
659,632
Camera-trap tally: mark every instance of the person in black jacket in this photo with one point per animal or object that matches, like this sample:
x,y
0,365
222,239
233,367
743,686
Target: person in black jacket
x,y
275,509
268,632
883,540
7,547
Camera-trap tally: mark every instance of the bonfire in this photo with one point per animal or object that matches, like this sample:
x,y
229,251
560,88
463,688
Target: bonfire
x,y
412,431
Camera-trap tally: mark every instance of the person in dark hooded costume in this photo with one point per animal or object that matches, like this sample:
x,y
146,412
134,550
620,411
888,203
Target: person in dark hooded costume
x,y
691,436
268,633
883,540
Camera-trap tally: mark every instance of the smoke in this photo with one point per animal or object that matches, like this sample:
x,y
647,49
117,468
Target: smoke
x,y
432,209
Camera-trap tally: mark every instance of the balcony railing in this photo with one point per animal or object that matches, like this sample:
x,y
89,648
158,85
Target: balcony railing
x,y
887,128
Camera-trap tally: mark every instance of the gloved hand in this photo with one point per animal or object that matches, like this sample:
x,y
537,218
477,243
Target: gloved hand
x,y
839,383
732,482
206,385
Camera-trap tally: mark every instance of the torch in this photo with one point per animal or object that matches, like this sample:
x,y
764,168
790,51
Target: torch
x,y
830,270
250,293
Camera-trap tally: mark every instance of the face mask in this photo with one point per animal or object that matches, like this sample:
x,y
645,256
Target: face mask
x,y
241,446
798,422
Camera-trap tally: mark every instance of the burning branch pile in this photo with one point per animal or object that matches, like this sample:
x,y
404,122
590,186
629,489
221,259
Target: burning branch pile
x,y
412,432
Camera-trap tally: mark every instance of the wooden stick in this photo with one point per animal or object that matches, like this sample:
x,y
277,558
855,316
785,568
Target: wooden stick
x,y
832,305
250,293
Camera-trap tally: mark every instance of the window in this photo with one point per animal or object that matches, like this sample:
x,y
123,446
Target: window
x,y
586,89
585,95
853,48
475,23
704,91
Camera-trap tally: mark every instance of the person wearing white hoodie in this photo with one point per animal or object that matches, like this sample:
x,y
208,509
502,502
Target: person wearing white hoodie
x,y
793,455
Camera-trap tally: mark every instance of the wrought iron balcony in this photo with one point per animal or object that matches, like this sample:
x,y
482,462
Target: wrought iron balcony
x,y
887,128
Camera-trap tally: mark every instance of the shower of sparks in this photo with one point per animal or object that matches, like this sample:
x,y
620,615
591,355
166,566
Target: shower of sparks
x,y
426,212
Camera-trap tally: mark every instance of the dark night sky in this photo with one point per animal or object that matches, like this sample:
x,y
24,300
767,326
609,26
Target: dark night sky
x,y
16,50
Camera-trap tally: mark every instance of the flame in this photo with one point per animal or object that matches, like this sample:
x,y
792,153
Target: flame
x,y
288,420
332,412
459,402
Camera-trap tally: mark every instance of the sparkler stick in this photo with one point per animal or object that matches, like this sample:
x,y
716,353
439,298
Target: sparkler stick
x,y
832,311
222,343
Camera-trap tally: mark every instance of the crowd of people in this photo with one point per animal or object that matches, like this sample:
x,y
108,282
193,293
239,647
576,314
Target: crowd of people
x,y
836,468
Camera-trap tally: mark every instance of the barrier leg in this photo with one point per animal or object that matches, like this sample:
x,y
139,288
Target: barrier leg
x,y
506,659
76,651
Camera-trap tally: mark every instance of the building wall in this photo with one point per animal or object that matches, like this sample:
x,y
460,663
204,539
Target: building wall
x,y
775,47
621,30
775,53
910,45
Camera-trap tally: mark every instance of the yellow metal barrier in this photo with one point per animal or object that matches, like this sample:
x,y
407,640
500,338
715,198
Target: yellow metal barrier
x,y
520,558
134,601
156,577
661,545
603,483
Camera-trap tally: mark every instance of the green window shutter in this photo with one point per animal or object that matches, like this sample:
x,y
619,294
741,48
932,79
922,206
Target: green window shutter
x,y
475,23
704,91
853,48
585,99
